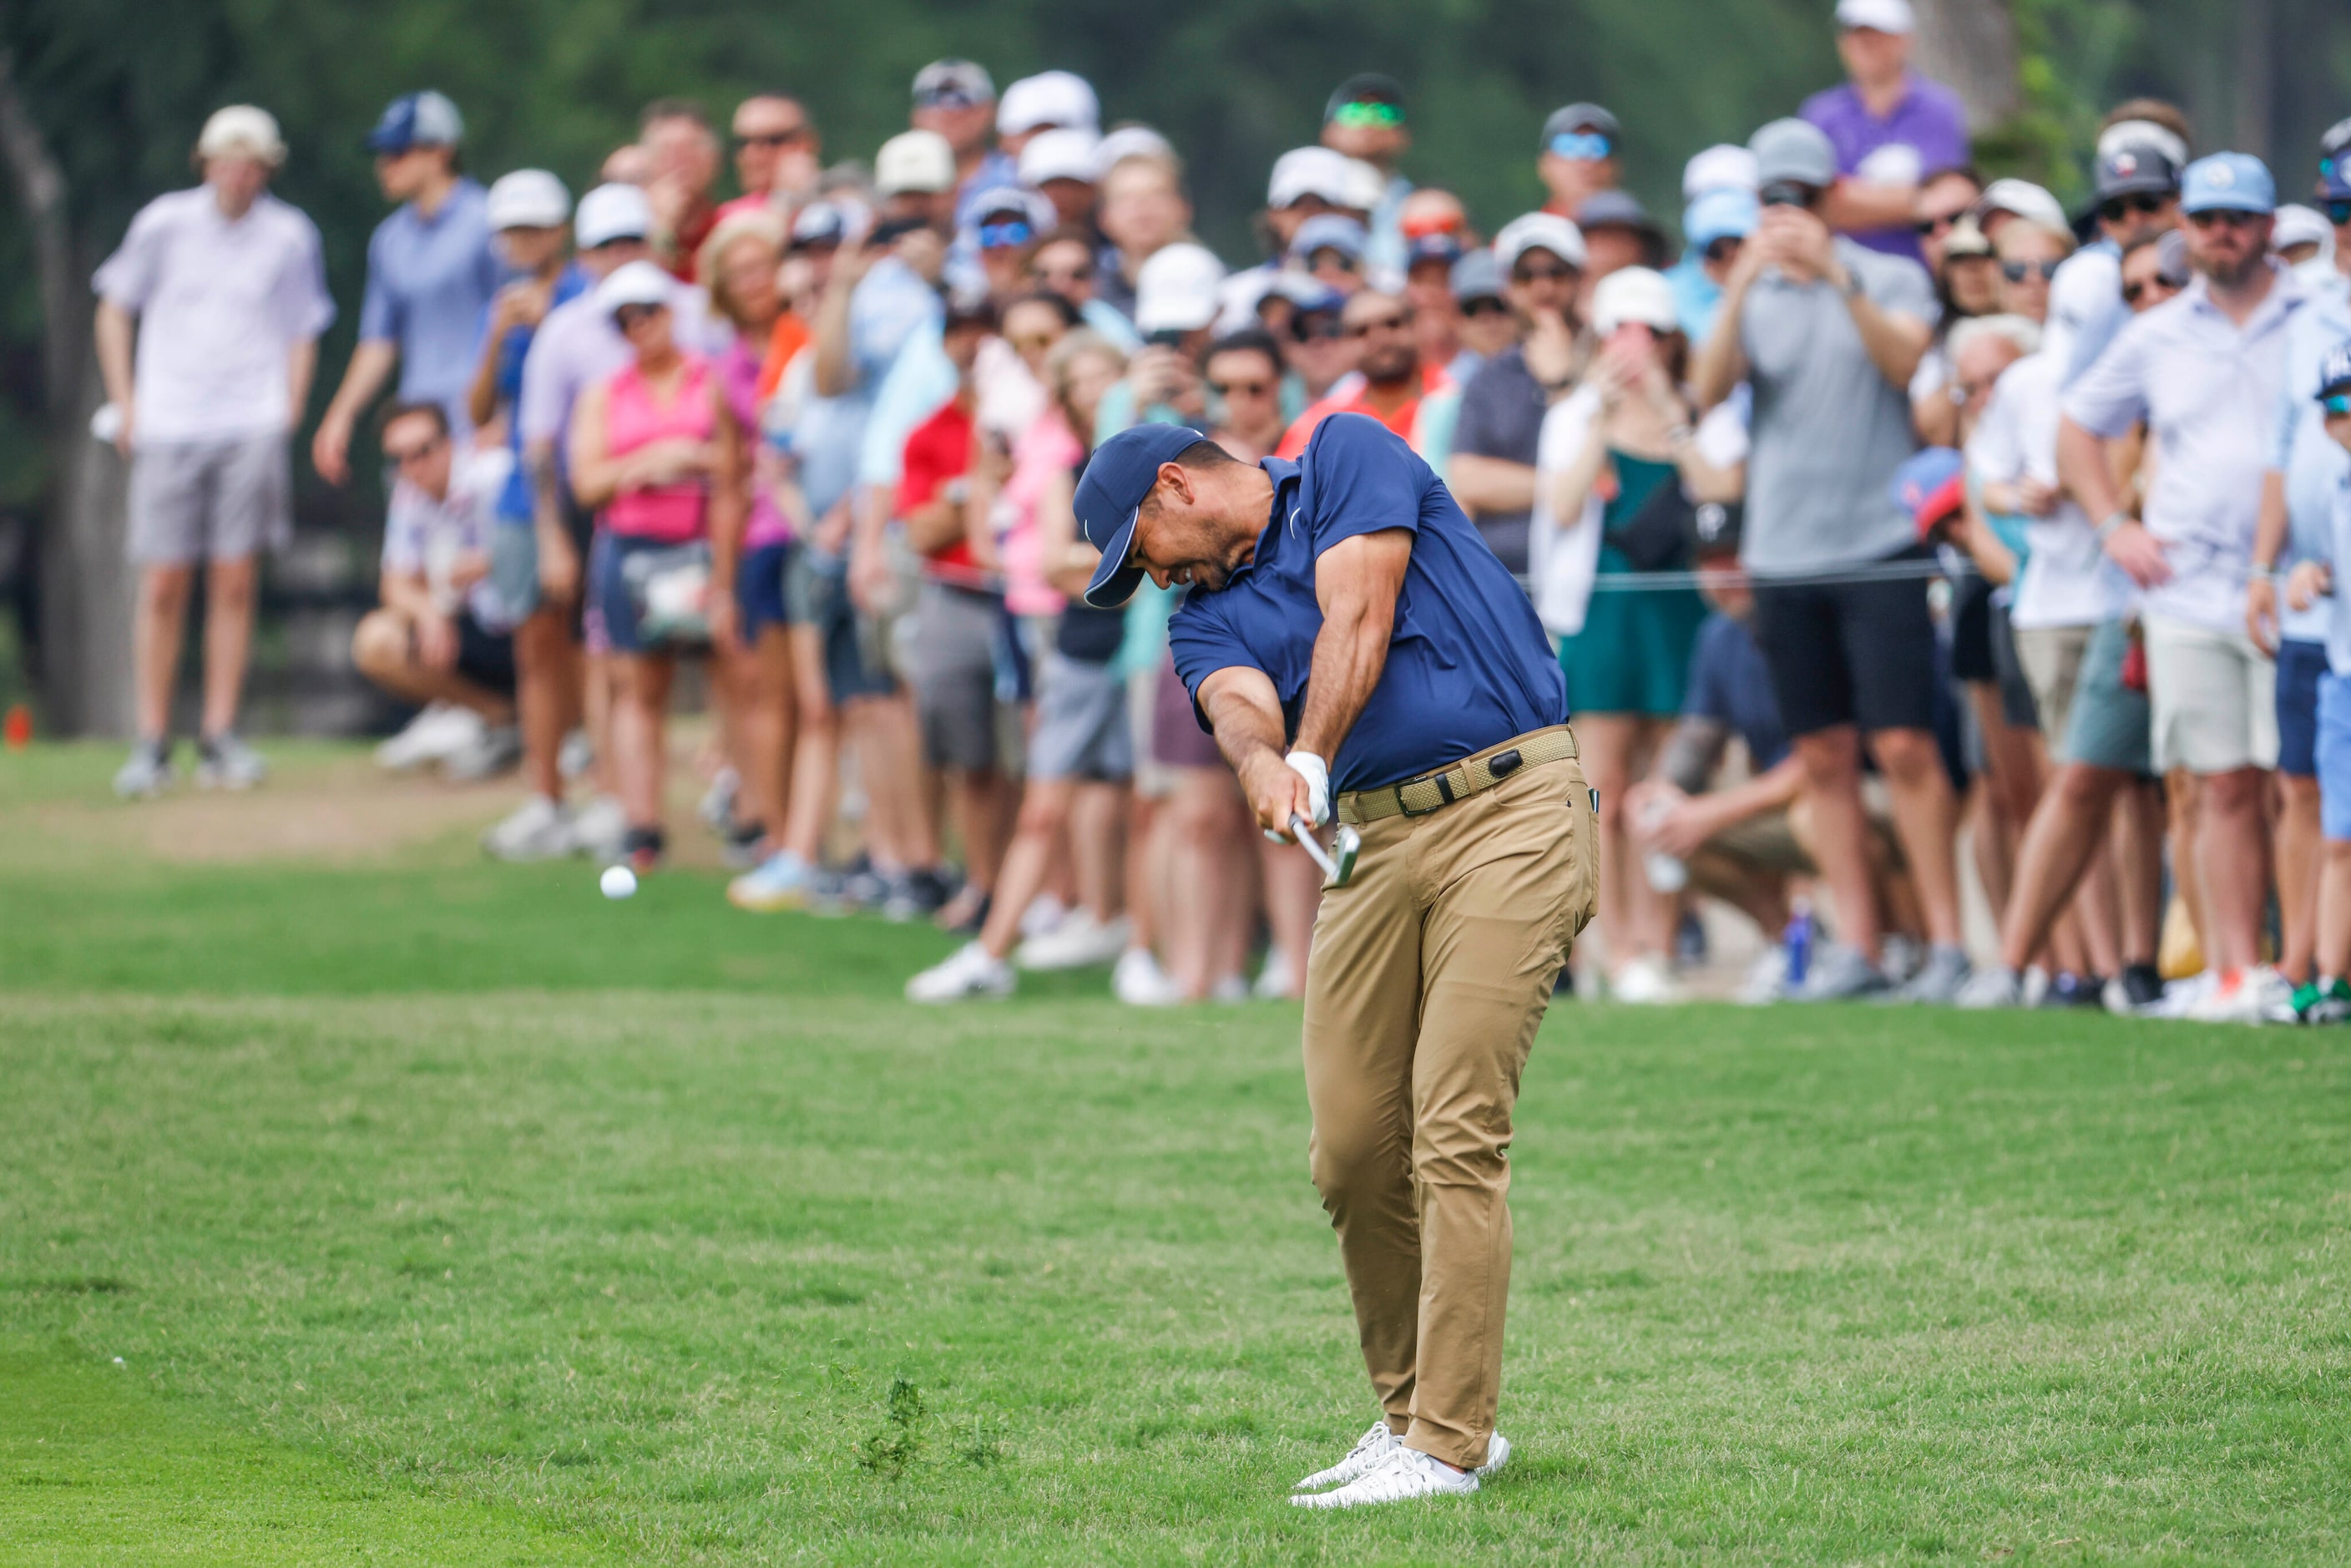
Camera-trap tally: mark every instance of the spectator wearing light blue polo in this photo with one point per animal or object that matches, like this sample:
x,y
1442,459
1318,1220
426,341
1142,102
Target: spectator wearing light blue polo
x,y
431,275
1714,226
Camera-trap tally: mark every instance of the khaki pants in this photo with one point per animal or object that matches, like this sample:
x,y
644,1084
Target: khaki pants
x,y
1430,973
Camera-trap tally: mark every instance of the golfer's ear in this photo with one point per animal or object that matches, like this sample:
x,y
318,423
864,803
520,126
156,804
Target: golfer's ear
x,y
1172,473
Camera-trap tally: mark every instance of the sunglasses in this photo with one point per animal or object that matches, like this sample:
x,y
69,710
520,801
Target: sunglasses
x,y
1723,249
1005,236
1928,228
1313,329
2146,204
1034,342
1590,146
404,456
2225,218
1396,323
1787,193
1319,259
2338,211
1241,389
626,316
2134,292
1485,307
1542,274
774,138
1368,113
2336,405
2018,271
1083,273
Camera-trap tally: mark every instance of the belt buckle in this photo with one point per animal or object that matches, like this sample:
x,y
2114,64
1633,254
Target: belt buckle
x,y
1444,783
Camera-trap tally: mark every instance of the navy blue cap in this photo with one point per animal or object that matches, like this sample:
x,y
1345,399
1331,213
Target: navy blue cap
x,y
425,118
2335,371
1118,476
1438,246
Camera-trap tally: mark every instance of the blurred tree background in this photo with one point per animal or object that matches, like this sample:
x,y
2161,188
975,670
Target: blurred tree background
x,y
114,90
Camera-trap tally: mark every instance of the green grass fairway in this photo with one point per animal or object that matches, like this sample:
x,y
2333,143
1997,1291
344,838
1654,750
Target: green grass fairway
x,y
445,1213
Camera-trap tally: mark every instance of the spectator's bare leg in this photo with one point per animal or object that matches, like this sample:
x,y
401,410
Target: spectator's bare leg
x,y
2065,831
816,749
1926,819
2184,793
1096,837
976,796
2300,854
1839,831
1044,814
2093,913
640,713
546,683
1202,897
1760,895
1632,923
157,622
228,640
762,729
384,647
1147,850
2333,938
597,694
1293,892
902,833
2137,839
2232,856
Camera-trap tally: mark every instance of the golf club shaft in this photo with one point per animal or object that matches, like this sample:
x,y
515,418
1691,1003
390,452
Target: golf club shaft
x,y
1305,837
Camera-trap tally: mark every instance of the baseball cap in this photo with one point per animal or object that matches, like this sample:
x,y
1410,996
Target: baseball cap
x,y
1634,295
1381,98
1967,238
638,283
1442,245
2335,371
1308,172
1721,167
1125,142
527,199
612,213
1578,117
1931,486
2144,133
1539,231
1878,15
2298,225
2227,181
1328,231
241,131
1476,276
819,222
1119,474
2335,162
417,120
1615,210
2134,167
953,84
1366,187
1721,214
915,162
1175,289
1795,150
1049,99
1000,202
2023,199
1059,155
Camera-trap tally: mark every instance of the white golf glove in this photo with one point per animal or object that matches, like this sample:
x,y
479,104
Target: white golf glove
x,y
1317,774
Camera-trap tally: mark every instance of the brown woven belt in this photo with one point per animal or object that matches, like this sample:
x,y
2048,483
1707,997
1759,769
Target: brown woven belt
x,y
1432,791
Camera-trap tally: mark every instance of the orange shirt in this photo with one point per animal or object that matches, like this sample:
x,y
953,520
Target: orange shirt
x,y
1400,419
791,336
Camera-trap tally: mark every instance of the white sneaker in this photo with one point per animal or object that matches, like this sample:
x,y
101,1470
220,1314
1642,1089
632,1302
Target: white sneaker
x,y
438,732
147,773
1644,982
598,828
1140,982
1997,987
2237,998
1372,1450
1767,978
577,756
538,829
1079,942
496,749
2183,997
717,806
1278,981
1044,916
225,762
1231,988
2277,994
1406,1476
968,974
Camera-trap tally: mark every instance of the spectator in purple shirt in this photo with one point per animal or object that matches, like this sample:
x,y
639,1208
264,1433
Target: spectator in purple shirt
x,y
1891,128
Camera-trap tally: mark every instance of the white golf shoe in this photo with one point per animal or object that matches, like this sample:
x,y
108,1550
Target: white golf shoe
x,y
1376,1446
538,829
1406,1475
968,974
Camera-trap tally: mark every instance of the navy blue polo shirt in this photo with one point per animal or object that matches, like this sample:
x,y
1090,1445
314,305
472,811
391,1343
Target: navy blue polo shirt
x,y
1469,665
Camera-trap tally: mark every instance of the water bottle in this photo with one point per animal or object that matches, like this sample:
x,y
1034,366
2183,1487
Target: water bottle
x,y
1799,942
1666,874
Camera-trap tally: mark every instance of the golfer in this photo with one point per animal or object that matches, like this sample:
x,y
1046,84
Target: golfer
x,y
1347,630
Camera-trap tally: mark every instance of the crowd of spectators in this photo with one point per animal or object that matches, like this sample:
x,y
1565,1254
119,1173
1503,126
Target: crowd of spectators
x,y
1951,509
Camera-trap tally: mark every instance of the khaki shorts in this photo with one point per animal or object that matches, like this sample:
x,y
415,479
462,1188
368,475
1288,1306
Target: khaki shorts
x,y
2214,696
210,500
2051,657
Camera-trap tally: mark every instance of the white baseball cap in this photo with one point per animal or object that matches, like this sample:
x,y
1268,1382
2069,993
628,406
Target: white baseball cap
x,y
915,162
2124,133
1539,231
1366,186
609,213
1130,142
527,199
1309,171
1878,15
2025,200
1724,166
1175,292
1058,98
639,283
241,131
1634,294
2295,223
1059,155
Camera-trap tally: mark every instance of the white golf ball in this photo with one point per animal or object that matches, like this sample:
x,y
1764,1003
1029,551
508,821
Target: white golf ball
x,y
618,881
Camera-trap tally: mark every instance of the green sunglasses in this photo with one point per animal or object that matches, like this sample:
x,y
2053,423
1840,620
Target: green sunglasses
x,y
1367,113
2336,405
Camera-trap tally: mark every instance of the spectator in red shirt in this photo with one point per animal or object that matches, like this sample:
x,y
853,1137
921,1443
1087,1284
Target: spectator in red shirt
x,y
1391,384
959,619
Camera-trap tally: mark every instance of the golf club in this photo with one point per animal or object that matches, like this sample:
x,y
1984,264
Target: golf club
x,y
1338,864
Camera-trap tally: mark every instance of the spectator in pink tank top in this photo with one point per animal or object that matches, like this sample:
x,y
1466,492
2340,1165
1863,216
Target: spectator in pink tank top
x,y
657,455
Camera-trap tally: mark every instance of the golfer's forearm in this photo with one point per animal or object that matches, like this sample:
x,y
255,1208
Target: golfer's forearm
x,y
1246,720
1349,655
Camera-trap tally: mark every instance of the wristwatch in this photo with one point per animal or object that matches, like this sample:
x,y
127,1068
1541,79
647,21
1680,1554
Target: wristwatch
x,y
1851,289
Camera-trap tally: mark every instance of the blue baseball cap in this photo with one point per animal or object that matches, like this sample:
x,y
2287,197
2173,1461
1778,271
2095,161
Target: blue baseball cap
x,y
2335,371
1719,215
2335,162
1930,486
2227,182
417,120
1118,476
1328,231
